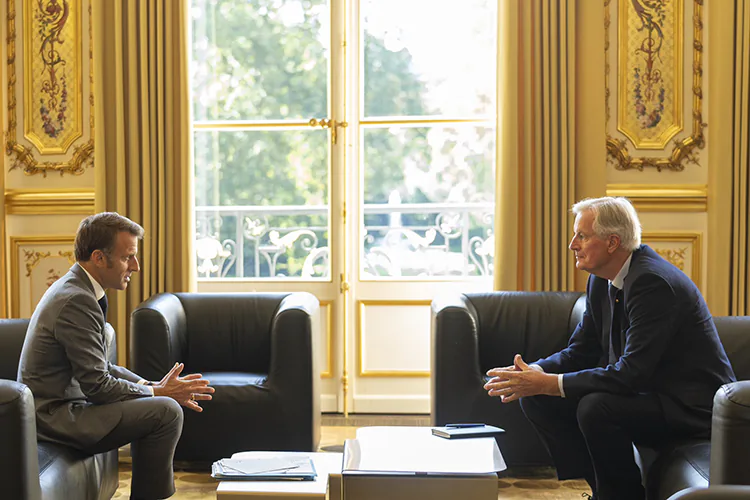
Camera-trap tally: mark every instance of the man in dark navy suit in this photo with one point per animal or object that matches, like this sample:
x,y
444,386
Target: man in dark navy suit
x,y
642,366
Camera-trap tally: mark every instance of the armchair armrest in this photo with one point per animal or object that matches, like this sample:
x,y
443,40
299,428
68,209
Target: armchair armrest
x,y
158,336
19,462
723,492
293,372
456,376
730,434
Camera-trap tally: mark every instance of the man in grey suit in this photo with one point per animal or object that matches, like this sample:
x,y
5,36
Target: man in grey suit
x,y
81,399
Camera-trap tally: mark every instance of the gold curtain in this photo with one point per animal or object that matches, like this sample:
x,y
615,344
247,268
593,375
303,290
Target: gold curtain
x,y
740,250
536,176
143,141
729,158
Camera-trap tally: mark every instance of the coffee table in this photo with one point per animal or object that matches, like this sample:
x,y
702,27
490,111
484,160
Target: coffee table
x,y
327,465
409,463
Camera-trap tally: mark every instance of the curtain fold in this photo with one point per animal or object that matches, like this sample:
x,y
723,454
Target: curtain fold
x,y
536,145
143,140
739,301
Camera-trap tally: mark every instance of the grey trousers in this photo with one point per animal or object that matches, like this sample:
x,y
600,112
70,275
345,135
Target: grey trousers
x,y
153,427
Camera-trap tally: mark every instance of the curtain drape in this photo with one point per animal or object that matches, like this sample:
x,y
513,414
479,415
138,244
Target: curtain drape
x,y
739,300
536,145
143,141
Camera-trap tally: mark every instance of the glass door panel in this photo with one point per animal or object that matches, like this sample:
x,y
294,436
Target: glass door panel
x,y
260,59
424,188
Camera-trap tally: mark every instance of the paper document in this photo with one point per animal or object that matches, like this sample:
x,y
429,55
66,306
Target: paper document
x,y
289,467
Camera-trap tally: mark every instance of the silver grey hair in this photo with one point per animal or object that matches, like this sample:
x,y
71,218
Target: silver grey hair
x,y
613,216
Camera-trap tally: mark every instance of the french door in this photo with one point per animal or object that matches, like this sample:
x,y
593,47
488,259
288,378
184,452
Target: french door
x,y
347,148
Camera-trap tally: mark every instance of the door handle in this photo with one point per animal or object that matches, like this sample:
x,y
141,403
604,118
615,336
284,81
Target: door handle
x,y
331,124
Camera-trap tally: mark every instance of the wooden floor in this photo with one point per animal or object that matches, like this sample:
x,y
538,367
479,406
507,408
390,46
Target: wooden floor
x,y
533,484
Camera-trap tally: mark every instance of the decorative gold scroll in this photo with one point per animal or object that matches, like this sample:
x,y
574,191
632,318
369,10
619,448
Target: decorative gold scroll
x,y
52,66
28,280
650,75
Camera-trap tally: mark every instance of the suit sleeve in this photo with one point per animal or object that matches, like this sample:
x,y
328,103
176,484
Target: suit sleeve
x,y
652,309
79,331
121,372
584,348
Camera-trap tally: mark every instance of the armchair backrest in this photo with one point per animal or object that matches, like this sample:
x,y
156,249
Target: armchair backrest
x,y
533,324
12,335
229,331
734,332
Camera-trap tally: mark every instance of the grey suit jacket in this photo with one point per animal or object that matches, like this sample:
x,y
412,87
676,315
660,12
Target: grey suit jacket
x,y
64,363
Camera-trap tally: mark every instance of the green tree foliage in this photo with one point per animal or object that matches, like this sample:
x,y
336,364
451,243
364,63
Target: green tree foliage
x,y
266,60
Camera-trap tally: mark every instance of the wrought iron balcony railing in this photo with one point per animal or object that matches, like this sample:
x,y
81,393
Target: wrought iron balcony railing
x,y
398,240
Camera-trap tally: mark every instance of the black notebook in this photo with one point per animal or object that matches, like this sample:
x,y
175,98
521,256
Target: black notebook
x,y
473,431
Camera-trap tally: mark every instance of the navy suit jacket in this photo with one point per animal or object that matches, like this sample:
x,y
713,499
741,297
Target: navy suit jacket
x,y
669,344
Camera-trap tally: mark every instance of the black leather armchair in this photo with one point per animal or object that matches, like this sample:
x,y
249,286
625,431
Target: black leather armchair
x,y
257,350
31,470
474,332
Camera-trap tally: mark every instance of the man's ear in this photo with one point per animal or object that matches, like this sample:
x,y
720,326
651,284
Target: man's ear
x,y
98,258
613,243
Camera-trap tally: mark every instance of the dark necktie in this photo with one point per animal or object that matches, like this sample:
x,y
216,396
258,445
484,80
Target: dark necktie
x,y
103,305
615,306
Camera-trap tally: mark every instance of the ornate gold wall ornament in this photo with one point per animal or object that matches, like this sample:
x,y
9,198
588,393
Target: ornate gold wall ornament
x,y
684,151
27,252
664,197
679,256
675,256
49,201
53,86
32,258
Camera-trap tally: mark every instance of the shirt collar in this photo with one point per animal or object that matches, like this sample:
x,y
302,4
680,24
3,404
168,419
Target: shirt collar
x,y
98,290
619,280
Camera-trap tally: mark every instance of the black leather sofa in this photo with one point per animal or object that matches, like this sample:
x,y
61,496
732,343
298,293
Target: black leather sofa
x,y
472,333
31,470
257,350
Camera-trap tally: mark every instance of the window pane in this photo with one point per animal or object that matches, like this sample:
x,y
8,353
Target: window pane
x,y
429,57
265,59
429,201
262,203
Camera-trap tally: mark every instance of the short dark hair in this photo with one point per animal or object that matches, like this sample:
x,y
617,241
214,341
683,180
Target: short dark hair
x,y
99,232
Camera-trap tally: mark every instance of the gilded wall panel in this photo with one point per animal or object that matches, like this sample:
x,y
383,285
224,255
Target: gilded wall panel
x,y
683,249
36,263
50,85
658,53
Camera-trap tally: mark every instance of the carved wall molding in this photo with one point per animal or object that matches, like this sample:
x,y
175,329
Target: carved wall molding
x,y
362,306
27,253
685,245
49,201
52,114
683,151
663,197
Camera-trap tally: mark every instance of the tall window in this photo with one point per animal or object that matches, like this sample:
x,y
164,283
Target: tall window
x,y
420,85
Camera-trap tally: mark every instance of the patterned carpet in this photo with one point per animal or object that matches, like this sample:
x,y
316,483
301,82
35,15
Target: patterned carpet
x,y
527,484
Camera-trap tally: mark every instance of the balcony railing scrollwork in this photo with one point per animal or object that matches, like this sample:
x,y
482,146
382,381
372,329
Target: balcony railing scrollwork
x,y
399,240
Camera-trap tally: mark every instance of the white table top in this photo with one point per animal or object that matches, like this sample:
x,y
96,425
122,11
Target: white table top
x,y
415,449
325,464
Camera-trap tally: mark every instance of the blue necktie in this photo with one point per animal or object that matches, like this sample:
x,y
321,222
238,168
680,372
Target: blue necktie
x,y
103,304
615,306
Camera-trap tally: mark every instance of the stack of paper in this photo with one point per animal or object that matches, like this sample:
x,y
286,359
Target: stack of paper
x,y
268,469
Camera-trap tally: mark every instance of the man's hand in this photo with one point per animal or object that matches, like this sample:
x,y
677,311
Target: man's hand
x,y
519,380
187,390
